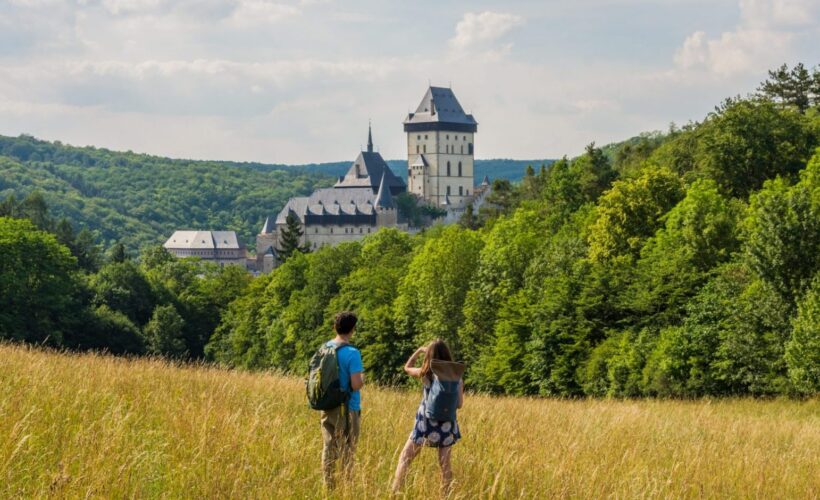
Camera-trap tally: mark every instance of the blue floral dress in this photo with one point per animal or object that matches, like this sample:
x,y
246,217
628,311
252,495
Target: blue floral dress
x,y
435,433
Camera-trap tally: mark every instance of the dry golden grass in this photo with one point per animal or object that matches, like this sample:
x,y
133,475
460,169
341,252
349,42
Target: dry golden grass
x,y
95,426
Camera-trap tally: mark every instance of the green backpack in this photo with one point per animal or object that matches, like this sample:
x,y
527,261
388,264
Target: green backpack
x,y
324,390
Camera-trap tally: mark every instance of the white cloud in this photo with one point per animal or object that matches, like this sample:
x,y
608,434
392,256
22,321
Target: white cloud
x,y
479,31
764,35
120,7
258,12
297,80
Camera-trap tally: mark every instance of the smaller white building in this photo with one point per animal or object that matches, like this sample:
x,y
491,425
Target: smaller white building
x,y
220,247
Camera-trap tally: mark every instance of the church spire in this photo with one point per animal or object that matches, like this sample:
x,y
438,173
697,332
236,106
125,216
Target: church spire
x,y
369,139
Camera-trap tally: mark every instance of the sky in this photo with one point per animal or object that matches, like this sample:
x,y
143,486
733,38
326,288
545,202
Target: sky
x,y
298,81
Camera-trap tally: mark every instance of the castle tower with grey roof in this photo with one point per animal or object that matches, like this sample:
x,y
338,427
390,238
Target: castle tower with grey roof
x,y
440,150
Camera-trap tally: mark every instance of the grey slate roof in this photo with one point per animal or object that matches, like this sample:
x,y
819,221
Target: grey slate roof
x,y
368,170
271,251
352,200
383,198
420,161
439,105
329,203
269,226
203,240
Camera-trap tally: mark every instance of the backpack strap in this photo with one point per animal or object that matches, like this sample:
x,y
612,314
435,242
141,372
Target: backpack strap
x,y
346,404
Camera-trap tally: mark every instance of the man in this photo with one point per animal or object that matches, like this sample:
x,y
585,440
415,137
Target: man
x,y
340,426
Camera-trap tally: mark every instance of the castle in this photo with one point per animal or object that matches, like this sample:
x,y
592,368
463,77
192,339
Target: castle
x,y
440,172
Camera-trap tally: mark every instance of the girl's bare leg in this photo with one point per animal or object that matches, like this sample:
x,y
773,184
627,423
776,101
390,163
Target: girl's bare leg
x,y
409,452
446,471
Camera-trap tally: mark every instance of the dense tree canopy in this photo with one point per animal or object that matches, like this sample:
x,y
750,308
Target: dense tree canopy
x,y
141,199
678,264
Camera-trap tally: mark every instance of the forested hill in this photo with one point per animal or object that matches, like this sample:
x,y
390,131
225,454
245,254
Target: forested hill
x,y
140,199
498,168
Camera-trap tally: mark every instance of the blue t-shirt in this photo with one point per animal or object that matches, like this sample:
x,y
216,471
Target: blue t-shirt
x,y
350,361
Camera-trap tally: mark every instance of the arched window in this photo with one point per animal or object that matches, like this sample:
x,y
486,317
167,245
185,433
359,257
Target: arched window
x,y
461,190
448,169
462,149
425,147
459,169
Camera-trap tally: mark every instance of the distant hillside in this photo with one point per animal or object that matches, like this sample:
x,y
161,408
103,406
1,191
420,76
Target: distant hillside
x,y
496,168
140,199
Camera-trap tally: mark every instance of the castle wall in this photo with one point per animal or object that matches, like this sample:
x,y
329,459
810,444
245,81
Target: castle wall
x,y
315,235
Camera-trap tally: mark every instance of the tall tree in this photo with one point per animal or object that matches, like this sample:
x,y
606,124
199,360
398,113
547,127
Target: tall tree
x,y
39,288
796,87
782,242
291,236
118,254
163,333
803,349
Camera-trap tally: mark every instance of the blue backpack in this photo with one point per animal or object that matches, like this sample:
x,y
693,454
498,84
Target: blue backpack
x,y
441,399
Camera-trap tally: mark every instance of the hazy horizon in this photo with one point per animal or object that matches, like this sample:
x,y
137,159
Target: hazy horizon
x,y
296,82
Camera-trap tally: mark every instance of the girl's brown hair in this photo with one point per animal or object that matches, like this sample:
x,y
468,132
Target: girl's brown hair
x,y
436,350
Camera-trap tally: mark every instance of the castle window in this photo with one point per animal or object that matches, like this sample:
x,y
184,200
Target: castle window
x,y
425,148
361,230
425,137
468,192
417,149
331,230
465,137
470,148
448,190
448,137
316,230
448,169
461,190
418,137
462,149
459,169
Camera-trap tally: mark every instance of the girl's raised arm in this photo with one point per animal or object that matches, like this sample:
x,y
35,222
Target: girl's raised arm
x,y
410,368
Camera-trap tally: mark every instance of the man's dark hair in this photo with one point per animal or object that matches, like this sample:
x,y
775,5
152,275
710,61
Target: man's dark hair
x,y
345,322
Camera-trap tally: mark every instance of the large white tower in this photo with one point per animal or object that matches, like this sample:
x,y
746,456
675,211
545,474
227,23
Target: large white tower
x,y
440,150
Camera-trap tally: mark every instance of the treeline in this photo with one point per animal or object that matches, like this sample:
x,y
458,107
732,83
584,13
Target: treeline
x,y
58,289
497,168
141,199
681,264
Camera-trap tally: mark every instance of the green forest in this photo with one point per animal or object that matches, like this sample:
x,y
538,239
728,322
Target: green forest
x,y
680,264
140,199
676,264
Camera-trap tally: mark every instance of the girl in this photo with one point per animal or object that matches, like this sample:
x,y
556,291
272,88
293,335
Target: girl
x,y
434,433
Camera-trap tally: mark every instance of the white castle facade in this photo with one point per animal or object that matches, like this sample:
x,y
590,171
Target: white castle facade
x,y
440,172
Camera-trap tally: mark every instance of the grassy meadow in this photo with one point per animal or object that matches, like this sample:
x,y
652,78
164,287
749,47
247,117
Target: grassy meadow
x,y
96,426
